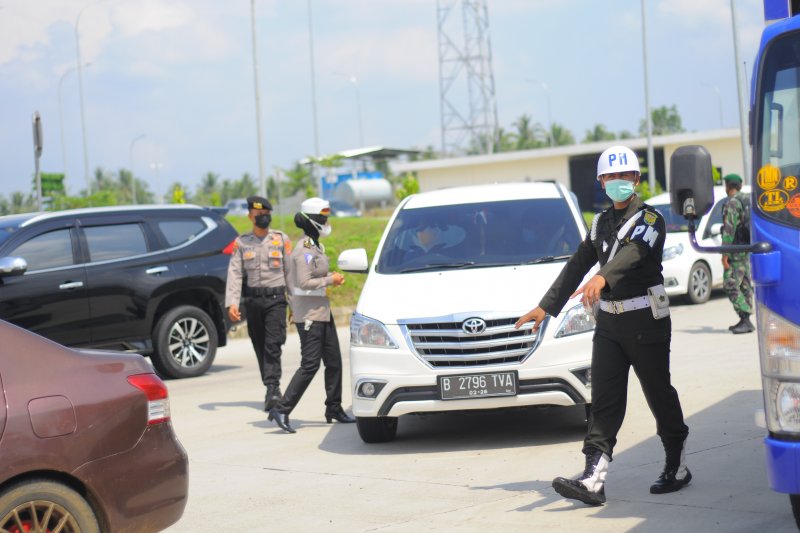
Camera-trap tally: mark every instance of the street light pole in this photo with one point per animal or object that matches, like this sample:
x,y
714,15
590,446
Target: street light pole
x,y
651,166
742,92
258,101
133,174
80,92
314,167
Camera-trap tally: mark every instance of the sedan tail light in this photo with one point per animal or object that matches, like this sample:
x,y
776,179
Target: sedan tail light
x,y
157,396
228,250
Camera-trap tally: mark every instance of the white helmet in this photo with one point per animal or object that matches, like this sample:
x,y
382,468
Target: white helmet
x,y
315,206
617,159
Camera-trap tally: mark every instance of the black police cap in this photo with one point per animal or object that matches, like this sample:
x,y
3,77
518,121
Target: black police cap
x,y
258,202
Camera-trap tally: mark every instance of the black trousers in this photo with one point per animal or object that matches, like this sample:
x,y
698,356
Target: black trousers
x,y
266,325
318,344
633,339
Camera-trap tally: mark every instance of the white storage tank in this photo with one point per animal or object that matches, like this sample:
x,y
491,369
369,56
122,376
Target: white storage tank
x,y
365,193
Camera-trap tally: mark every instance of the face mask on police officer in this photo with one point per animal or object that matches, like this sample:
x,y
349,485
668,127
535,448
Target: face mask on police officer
x,y
619,190
323,229
263,221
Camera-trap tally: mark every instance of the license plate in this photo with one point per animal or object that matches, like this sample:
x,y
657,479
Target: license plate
x,y
458,387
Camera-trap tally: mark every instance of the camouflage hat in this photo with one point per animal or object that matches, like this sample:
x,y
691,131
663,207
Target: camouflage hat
x,y
733,178
258,202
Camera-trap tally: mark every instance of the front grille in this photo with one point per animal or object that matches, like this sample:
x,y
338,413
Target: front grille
x,y
446,344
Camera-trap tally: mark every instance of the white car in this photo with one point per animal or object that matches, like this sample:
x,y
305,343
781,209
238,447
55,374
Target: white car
x,y
434,329
237,207
688,272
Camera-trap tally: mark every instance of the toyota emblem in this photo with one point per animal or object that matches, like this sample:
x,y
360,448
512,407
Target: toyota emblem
x,y
474,326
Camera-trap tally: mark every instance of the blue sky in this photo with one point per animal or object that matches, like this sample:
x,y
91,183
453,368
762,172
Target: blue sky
x,y
180,72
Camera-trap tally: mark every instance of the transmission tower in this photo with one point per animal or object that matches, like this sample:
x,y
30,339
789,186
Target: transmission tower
x,y
466,82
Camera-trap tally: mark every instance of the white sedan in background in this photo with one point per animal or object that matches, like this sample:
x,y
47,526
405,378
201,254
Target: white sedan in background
x,y
688,272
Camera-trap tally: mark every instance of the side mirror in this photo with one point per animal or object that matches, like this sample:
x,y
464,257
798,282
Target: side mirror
x,y
716,229
354,260
12,266
691,182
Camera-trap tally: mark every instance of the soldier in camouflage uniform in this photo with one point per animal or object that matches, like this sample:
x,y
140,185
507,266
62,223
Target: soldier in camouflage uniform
x,y
735,230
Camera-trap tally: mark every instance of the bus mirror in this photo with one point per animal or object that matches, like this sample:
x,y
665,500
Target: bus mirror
x,y
691,182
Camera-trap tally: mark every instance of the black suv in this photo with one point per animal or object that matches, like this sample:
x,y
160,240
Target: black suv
x,y
147,279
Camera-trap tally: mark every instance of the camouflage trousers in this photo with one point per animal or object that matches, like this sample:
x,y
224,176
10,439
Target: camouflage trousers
x,y
737,284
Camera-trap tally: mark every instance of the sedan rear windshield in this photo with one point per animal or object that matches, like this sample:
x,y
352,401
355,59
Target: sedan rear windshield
x,y
479,235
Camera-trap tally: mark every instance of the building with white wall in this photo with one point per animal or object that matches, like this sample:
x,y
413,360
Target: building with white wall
x,y
574,165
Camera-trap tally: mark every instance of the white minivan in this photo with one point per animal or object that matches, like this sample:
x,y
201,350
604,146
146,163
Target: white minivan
x,y
434,329
688,272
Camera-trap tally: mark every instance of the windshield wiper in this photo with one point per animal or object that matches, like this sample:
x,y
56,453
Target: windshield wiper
x,y
547,259
443,266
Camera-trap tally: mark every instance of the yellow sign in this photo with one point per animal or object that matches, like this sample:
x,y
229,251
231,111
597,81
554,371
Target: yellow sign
x,y
790,183
771,201
769,176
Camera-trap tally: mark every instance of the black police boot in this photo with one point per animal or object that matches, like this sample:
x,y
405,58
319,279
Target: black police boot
x,y
272,397
590,487
338,414
744,325
675,475
282,419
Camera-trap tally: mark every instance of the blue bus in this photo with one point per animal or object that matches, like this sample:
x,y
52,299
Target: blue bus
x,y
774,134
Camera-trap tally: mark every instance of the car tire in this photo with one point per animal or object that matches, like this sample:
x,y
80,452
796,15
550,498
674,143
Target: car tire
x,y
376,429
184,343
41,496
699,285
794,499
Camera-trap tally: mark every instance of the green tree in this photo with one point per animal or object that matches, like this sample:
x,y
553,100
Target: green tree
x,y
665,119
561,135
598,133
298,179
525,134
408,186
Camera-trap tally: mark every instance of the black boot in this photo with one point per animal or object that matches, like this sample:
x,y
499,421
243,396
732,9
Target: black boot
x,y
744,325
338,414
272,397
675,475
281,419
590,487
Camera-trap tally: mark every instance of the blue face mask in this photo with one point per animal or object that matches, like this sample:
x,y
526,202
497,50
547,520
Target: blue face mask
x,y
619,190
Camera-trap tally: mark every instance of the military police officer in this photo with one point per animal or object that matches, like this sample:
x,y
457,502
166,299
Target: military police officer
x,y
736,230
633,327
259,257
309,278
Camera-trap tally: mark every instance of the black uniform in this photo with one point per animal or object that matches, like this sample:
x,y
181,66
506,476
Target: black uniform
x,y
624,339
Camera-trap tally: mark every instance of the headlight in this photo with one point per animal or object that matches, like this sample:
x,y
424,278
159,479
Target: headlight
x,y
672,252
576,320
779,344
366,331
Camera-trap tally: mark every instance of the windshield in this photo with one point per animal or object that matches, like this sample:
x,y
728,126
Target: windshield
x,y
479,235
675,223
777,143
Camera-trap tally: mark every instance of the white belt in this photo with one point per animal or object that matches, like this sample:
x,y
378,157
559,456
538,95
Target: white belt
x,y
622,306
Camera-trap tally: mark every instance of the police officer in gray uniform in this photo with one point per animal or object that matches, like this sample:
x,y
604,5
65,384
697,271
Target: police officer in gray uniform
x,y
633,328
308,278
260,257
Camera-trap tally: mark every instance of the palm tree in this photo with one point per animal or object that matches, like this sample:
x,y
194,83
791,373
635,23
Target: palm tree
x,y
561,135
598,133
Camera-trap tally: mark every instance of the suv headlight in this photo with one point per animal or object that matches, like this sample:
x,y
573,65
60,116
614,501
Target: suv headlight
x,y
576,320
365,331
779,344
672,252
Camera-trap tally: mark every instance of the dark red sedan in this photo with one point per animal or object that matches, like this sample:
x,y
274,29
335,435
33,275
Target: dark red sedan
x,y
86,442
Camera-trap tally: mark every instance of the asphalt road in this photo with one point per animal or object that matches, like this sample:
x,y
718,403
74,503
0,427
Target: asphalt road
x,y
488,471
